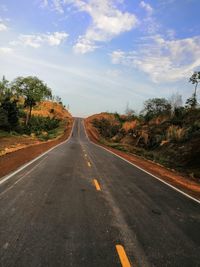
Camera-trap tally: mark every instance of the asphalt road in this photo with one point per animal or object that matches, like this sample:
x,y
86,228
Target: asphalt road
x,y
73,206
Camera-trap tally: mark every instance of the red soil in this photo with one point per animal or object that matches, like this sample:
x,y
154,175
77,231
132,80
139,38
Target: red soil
x,y
11,161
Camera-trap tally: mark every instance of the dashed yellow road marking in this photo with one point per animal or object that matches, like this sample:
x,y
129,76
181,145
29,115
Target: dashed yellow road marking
x,y
89,164
98,188
85,155
122,256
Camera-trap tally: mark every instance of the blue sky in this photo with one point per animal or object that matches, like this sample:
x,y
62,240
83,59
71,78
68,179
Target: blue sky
x,y
99,55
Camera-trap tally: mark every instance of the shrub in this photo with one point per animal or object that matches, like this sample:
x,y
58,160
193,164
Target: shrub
x,y
38,124
9,114
106,128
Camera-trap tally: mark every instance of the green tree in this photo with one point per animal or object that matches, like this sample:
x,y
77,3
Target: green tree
x,y
9,114
33,90
156,106
191,102
195,79
8,107
4,89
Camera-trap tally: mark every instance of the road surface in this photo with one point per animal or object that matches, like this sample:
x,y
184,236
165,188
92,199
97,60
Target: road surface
x,y
80,205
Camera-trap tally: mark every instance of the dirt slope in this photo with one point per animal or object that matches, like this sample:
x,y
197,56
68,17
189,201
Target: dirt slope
x,y
51,109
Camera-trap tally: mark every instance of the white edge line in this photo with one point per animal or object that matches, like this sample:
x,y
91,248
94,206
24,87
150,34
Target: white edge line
x,y
21,178
173,187
7,177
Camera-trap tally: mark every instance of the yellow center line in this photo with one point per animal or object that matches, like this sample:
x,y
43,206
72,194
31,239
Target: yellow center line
x,y
85,155
89,164
123,257
98,188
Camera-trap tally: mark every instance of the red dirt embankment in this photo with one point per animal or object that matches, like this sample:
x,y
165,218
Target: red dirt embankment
x,y
11,161
179,181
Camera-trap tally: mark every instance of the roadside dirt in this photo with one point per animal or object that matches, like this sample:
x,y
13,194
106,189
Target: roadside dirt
x,y
186,184
13,143
26,152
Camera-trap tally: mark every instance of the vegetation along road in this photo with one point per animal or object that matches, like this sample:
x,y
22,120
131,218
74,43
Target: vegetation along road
x,y
79,205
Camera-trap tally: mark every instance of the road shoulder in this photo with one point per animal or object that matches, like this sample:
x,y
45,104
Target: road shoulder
x,y
12,161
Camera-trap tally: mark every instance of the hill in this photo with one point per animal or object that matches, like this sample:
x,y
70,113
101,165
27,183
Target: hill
x,y
43,113
52,110
170,140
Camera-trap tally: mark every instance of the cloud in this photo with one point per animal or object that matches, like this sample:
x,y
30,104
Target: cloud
x,y
56,38
37,40
163,60
3,27
108,21
118,57
57,4
6,50
84,46
149,23
147,7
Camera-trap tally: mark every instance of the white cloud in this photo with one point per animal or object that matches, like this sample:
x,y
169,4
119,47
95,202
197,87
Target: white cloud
x,y
163,60
118,56
3,27
84,46
37,40
57,4
108,21
149,23
6,50
147,7
56,38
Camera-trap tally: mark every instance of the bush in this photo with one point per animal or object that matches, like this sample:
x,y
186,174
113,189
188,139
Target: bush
x,y
38,124
106,128
178,116
9,114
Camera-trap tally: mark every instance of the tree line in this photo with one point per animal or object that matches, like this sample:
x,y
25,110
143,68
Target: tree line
x,y
157,113
20,94
154,107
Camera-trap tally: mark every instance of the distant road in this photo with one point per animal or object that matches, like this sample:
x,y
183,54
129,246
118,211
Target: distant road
x,y
79,205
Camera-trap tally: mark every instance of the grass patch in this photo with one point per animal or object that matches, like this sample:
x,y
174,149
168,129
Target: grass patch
x,y
53,134
8,134
4,134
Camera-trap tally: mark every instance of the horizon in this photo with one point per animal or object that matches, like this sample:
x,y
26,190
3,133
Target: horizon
x,y
100,55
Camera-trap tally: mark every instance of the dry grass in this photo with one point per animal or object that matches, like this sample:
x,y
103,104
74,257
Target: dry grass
x,y
158,120
51,109
102,115
128,125
176,133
